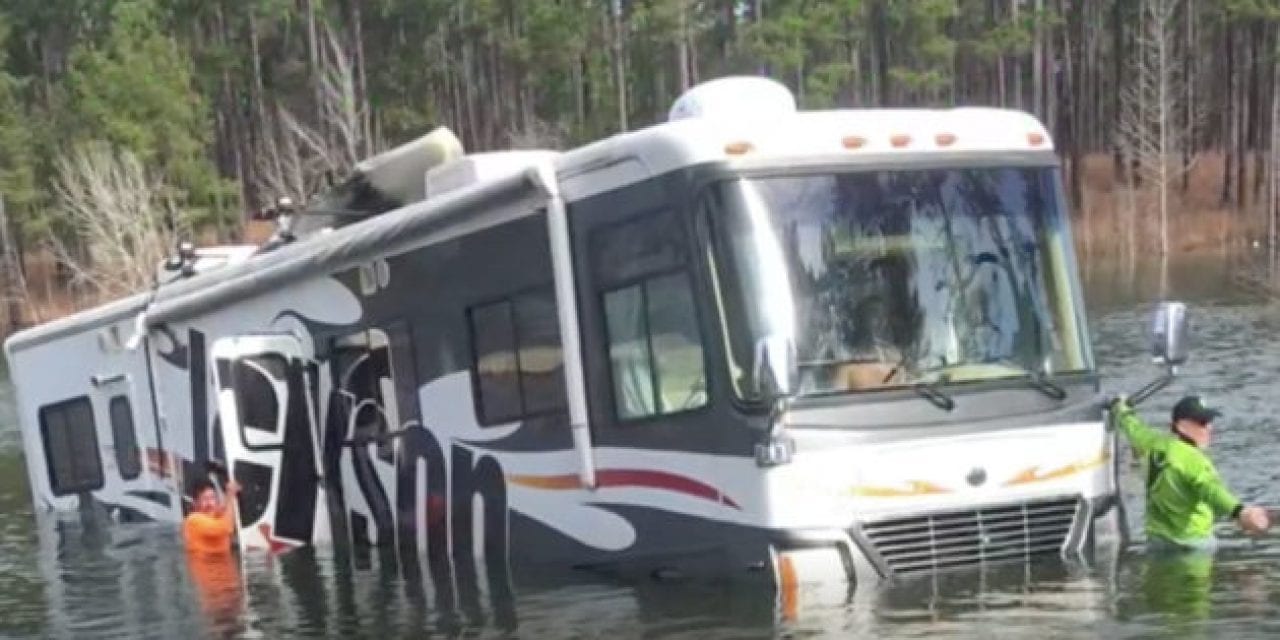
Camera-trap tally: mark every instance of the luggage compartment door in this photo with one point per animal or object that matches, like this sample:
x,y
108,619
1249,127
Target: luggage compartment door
x,y
267,402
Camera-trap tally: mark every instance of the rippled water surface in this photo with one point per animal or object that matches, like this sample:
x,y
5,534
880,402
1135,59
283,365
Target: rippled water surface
x,y
66,580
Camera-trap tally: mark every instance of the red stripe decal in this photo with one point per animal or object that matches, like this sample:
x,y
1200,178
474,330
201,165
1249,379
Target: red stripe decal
x,y
631,478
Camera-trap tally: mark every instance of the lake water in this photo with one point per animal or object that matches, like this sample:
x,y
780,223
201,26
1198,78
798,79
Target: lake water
x,y
62,580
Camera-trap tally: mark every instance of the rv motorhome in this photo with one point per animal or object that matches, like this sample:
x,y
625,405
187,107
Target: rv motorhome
x,y
750,340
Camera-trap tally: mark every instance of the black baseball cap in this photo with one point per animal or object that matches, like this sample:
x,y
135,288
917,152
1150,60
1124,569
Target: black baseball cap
x,y
1194,408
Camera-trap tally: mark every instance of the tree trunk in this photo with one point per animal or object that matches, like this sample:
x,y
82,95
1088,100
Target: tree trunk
x,y
682,46
1229,120
619,63
362,81
1039,103
1119,55
313,64
1017,64
880,27
1189,82
15,287
1239,129
1273,188
1164,62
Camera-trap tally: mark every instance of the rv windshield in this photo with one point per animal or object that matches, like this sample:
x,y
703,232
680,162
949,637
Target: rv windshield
x,y
889,279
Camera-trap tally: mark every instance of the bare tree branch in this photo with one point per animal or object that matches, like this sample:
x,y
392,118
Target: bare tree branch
x,y
1149,132
119,214
294,157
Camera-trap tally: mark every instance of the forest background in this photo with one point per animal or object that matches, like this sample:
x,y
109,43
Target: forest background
x,y
128,124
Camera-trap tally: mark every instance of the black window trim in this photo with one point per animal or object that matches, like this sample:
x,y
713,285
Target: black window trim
x,y
44,440
477,400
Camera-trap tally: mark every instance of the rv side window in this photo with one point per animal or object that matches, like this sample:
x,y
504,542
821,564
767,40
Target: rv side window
x,y
71,446
655,351
518,370
255,380
654,341
124,439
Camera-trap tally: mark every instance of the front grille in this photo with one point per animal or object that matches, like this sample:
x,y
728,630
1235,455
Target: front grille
x,y
972,536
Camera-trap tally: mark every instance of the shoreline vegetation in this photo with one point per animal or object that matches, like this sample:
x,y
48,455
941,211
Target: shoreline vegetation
x,y
126,125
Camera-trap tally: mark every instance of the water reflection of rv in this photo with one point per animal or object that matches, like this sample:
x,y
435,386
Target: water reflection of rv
x,y
747,341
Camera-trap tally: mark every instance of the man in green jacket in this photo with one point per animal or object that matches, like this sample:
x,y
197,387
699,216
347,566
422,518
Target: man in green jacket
x,y
1184,493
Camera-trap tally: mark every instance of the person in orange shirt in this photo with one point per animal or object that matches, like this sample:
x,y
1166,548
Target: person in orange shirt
x,y
207,532
212,523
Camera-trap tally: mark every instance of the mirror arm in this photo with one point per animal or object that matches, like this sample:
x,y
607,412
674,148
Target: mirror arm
x,y
1152,387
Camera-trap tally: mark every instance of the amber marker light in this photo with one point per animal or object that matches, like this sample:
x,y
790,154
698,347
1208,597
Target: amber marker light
x,y
853,142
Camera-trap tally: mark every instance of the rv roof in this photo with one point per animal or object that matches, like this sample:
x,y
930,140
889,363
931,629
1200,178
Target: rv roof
x,y
99,316
827,136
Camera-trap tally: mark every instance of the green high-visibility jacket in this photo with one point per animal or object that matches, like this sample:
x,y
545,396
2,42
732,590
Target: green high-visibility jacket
x,y
1184,492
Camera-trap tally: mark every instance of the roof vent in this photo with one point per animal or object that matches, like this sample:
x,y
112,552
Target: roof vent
x,y
741,97
480,167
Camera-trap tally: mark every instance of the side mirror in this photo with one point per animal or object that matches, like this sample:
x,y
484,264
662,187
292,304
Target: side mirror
x,y
774,368
1169,334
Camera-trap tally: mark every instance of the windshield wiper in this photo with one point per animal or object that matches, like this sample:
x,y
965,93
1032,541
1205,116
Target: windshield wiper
x,y
1039,380
929,390
1046,385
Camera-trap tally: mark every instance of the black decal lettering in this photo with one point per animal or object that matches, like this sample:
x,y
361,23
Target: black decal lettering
x,y
219,447
374,495
463,488
491,484
419,446
485,479
296,506
331,462
198,376
359,530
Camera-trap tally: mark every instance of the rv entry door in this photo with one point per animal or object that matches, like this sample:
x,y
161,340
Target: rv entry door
x,y
267,405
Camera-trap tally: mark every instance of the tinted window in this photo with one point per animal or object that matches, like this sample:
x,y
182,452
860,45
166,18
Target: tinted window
x,y
519,369
646,244
654,342
493,336
71,446
655,349
539,354
124,438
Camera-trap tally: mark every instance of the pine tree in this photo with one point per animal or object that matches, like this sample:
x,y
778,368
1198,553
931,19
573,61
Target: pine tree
x,y
135,91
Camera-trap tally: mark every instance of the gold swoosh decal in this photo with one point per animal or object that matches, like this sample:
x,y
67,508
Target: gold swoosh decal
x,y
914,488
1033,474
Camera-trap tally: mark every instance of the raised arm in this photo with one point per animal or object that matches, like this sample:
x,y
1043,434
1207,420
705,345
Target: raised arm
x,y
1140,435
227,518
